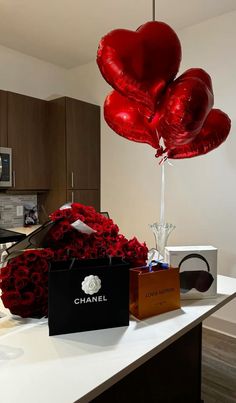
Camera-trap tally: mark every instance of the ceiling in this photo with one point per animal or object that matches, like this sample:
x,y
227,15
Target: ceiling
x,y
67,32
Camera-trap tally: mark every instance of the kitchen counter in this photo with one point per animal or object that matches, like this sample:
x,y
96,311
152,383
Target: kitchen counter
x,y
25,230
7,236
12,235
80,366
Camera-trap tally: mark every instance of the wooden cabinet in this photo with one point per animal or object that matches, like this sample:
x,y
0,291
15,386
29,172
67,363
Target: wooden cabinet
x,y
3,118
55,147
74,145
84,196
82,144
26,122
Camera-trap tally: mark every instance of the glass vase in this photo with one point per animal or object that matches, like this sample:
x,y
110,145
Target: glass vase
x,y
161,233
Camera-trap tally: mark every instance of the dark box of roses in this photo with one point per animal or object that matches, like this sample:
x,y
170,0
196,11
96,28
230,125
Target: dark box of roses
x,y
88,295
154,292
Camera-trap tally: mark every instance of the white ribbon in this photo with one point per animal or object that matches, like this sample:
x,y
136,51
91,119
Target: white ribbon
x,y
65,206
82,227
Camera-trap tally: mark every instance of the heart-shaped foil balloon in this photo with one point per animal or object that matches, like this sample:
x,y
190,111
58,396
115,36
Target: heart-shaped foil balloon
x,y
214,132
187,102
128,119
140,64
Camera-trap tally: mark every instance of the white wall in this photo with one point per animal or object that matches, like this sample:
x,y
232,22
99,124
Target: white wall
x,y
207,190
30,76
200,192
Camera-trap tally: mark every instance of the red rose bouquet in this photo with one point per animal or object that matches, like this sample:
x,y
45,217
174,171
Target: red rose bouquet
x,y
78,232
24,283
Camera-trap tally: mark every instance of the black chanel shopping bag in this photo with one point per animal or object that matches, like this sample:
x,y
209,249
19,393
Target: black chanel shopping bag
x,y
88,295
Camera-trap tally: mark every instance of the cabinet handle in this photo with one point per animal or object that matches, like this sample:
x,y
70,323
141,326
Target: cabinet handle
x,y
72,197
14,178
0,166
72,179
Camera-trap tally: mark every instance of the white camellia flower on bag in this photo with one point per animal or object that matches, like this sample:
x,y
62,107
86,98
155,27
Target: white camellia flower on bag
x,y
91,284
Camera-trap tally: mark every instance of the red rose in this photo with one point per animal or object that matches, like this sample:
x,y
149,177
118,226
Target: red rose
x,y
6,271
21,271
21,283
46,253
40,265
22,311
8,284
30,256
11,299
39,292
27,298
56,233
36,277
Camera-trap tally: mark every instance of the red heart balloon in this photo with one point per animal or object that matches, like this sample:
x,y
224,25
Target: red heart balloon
x,y
214,132
201,74
187,102
128,120
139,64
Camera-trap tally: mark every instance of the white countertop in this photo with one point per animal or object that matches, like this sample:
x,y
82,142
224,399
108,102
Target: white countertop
x,y
36,368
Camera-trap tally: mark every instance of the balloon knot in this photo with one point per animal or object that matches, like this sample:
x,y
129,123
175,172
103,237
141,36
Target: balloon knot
x,y
159,152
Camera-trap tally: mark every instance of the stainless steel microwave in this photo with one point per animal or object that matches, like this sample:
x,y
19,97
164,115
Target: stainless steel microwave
x,y
5,167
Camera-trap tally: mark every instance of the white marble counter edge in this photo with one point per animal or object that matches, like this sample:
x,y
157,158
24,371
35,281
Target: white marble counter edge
x,y
121,374
25,230
148,348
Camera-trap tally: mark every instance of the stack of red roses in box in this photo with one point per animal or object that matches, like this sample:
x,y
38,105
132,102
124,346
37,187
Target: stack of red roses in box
x,y
24,281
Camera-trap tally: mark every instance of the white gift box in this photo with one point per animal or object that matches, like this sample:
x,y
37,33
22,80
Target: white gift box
x,y
198,269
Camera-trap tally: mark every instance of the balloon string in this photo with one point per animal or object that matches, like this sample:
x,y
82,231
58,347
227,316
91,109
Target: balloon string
x,y
162,209
153,10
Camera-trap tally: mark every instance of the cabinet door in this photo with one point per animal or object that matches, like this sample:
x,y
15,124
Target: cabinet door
x,y
3,118
88,197
83,144
27,137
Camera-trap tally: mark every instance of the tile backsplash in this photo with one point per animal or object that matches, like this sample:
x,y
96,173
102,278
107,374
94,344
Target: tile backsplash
x,y
11,209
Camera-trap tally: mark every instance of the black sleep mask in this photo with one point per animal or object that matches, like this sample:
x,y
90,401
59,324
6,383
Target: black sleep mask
x,y
199,279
